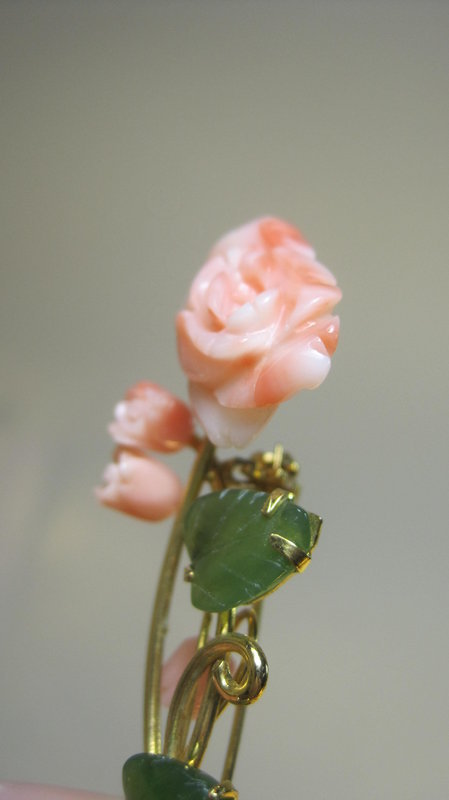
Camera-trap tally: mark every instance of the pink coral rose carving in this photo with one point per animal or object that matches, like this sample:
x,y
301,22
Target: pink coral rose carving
x,y
257,328
152,418
140,486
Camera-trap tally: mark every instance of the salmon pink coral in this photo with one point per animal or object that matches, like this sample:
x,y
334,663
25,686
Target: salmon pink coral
x,y
140,486
258,327
152,418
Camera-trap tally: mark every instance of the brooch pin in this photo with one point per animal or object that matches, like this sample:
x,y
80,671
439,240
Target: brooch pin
x,y
258,327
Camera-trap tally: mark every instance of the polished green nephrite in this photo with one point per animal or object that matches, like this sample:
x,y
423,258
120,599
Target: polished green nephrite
x,y
157,777
231,541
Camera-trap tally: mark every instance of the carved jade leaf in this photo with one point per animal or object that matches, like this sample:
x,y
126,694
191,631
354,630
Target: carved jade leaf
x,y
238,547
157,777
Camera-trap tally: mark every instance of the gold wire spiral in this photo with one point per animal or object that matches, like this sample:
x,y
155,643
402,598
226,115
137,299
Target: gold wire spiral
x,y
242,689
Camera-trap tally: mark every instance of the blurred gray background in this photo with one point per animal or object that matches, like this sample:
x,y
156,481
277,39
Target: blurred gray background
x,y
133,135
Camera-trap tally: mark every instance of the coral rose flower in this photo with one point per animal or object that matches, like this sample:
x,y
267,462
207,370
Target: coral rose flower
x,y
257,328
152,418
140,486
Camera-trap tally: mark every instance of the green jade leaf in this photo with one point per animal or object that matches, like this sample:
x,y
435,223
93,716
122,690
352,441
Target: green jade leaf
x,y
157,777
234,557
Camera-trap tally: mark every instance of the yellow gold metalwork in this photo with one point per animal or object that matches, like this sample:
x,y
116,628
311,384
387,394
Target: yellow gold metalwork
x,y
274,472
276,499
211,705
271,470
290,550
188,708
264,470
251,615
152,725
243,689
202,730
315,528
188,574
234,743
226,621
224,791
204,630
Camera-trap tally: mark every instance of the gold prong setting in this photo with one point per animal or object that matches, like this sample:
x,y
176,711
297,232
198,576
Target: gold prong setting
x,y
223,791
299,558
315,528
275,500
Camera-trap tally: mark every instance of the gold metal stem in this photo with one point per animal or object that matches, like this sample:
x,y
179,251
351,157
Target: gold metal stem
x,y
242,690
187,716
234,742
164,591
253,615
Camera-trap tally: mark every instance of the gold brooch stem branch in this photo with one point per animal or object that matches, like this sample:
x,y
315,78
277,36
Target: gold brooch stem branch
x,y
253,616
152,723
188,707
212,702
234,743
250,683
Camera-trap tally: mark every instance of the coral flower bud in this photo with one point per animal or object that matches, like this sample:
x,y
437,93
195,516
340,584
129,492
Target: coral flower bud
x,y
152,418
140,486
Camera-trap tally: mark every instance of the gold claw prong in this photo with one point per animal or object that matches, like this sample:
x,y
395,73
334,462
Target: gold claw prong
x,y
299,558
189,574
315,529
223,791
275,500
278,456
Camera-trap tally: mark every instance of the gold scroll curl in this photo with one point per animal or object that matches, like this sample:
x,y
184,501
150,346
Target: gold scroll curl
x,y
241,689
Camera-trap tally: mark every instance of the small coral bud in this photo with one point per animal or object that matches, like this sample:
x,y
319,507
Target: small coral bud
x,y
152,418
140,486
